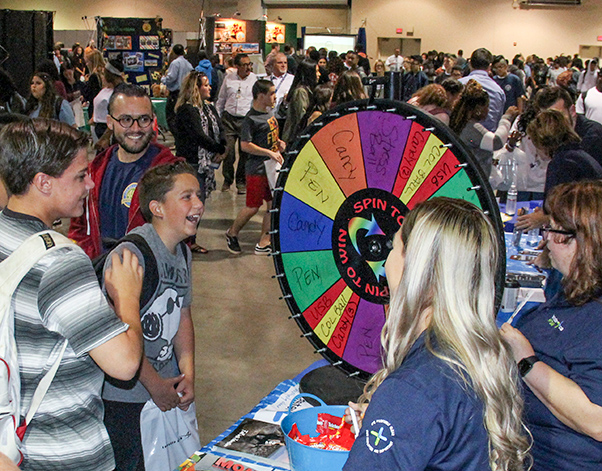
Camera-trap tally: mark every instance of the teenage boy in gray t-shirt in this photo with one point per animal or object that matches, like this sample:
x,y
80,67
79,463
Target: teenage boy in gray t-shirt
x,y
260,140
169,200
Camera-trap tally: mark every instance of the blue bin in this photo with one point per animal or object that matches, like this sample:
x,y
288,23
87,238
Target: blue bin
x,y
306,458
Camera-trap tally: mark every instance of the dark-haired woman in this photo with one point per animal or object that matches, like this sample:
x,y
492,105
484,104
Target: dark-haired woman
x,y
557,346
79,63
472,107
299,100
44,102
552,134
348,88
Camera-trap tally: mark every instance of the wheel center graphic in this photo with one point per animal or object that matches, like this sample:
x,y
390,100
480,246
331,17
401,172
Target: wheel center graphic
x,y
363,229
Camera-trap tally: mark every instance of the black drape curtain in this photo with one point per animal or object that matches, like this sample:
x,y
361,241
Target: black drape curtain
x,y
28,37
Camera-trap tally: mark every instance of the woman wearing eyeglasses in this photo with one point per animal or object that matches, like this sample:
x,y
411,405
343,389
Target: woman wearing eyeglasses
x,y
558,346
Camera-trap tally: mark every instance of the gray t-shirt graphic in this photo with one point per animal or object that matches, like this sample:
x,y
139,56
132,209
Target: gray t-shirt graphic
x,y
160,318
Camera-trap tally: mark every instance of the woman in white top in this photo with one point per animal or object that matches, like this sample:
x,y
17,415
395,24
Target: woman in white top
x,y
110,79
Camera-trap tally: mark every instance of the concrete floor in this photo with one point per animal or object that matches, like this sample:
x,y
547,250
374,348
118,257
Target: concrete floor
x,y
245,343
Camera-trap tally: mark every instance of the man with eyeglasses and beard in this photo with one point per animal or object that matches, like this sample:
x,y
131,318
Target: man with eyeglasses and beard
x,y
112,208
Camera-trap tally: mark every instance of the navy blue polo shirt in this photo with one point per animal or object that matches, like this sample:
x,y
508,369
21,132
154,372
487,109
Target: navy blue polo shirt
x,y
423,416
569,339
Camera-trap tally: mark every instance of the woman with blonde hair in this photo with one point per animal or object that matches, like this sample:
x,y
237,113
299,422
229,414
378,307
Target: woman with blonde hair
x,y
96,64
199,134
447,396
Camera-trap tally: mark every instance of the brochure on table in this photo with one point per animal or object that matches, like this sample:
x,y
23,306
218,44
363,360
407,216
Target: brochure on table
x,y
271,410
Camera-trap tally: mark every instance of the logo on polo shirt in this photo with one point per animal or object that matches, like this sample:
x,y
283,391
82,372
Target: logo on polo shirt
x,y
554,322
379,436
128,193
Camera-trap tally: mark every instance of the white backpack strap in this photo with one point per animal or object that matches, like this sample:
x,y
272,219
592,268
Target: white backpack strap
x,y
43,386
12,271
22,260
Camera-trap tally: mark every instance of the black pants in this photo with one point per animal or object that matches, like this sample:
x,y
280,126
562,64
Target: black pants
x,y
122,420
232,126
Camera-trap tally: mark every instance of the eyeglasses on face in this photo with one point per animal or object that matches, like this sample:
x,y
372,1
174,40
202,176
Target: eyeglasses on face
x,y
245,64
127,121
547,229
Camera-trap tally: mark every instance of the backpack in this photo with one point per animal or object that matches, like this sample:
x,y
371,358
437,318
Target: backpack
x,y
151,270
12,271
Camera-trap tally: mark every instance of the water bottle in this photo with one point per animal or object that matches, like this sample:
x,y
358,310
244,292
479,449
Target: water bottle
x,y
512,192
533,234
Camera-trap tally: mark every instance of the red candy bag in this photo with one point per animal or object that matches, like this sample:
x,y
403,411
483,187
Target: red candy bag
x,y
334,434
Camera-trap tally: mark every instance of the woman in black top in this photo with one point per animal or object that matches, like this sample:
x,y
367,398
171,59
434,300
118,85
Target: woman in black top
x,y
199,134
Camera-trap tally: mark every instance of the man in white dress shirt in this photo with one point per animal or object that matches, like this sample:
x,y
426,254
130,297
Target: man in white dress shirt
x,y
282,80
395,62
233,103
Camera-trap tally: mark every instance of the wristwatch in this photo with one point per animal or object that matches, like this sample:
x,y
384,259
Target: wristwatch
x,y
525,365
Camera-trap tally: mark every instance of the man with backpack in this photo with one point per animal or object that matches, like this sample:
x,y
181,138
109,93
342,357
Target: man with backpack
x,y
61,317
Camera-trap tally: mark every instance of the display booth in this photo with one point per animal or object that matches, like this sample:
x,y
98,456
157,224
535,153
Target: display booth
x,y
228,36
280,33
139,42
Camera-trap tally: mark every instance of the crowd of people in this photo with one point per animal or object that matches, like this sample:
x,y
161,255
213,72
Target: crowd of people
x,y
462,405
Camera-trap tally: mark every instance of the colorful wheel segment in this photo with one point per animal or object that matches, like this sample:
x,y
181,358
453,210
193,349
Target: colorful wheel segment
x,y
345,188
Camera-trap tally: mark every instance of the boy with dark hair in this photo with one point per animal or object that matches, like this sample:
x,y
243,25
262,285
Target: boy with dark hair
x,y
260,140
44,165
170,203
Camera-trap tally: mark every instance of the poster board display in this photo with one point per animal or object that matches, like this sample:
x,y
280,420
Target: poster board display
x,y
139,42
226,36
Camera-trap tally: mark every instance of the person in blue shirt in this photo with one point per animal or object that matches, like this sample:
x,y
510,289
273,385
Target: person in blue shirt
x,y
447,397
44,102
558,345
177,70
480,63
511,85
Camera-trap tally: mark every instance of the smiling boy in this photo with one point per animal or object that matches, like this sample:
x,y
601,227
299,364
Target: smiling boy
x,y
169,200
44,165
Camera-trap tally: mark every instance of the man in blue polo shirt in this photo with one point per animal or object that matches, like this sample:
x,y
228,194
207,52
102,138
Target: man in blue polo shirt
x,y
511,85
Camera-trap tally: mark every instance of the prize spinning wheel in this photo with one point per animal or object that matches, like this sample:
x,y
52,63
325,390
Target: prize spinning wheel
x,y
343,192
